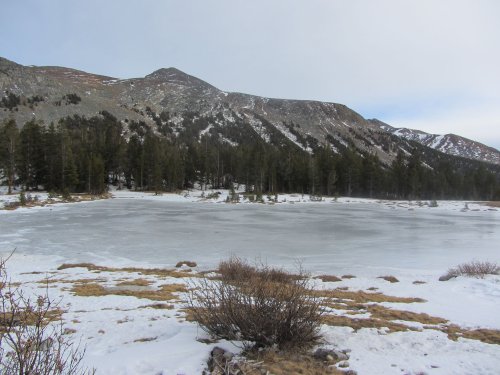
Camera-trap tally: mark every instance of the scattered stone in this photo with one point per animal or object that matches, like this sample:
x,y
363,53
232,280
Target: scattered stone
x,y
447,277
220,363
186,263
389,278
228,356
343,364
330,355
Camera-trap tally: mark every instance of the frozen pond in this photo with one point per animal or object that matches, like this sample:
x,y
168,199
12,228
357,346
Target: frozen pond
x,y
336,238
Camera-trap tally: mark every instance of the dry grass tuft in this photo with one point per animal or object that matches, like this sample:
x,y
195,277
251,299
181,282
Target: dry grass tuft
x,y
384,313
163,293
158,306
89,290
70,281
328,278
419,282
146,339
160,272
364,297
389,278
356,324
489,336
134,282
270,362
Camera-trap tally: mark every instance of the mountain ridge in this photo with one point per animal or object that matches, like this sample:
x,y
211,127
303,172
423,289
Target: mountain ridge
x,y
169,90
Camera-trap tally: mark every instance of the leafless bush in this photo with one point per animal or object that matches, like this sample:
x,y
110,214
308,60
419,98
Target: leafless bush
x,y
257,307
31,340
472,269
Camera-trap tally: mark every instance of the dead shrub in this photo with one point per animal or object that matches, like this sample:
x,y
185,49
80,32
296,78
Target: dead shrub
x,y
31,342
265,308
472,269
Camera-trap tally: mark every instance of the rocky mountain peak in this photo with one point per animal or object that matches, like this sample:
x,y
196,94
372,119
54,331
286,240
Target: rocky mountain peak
x,y
176,76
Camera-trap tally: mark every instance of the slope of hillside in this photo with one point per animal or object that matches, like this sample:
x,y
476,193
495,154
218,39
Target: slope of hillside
x,y
451,144
43,92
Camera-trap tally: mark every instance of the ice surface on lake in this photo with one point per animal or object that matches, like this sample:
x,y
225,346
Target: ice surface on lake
x,y
335,238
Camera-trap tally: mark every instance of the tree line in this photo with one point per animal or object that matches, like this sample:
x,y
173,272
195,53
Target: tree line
x,y
81,154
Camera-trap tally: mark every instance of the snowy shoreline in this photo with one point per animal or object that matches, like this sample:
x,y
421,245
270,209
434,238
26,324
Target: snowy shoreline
x,y
129,335
223,196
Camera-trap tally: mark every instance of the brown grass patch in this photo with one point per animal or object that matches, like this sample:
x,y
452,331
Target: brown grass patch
x,y
71,281
270,362
356,324
146,339
361,302
163,293
160,272
135,282
419,282
348,276
158,306
29,317
89,290
389,278
364,297
489,336
328,278
384,313
188,314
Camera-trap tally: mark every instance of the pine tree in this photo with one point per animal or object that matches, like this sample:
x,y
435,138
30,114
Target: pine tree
x,y
9,144
31,155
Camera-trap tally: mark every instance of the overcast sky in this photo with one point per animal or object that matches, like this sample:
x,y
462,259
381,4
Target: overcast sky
x,y
432,65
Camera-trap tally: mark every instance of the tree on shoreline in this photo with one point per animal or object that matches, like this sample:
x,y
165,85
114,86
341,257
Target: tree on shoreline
x,y
86,155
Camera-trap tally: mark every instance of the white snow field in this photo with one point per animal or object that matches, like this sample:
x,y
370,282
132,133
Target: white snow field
x,y
366,238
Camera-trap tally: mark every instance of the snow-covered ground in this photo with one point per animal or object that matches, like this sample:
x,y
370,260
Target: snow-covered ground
x,y
366,238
